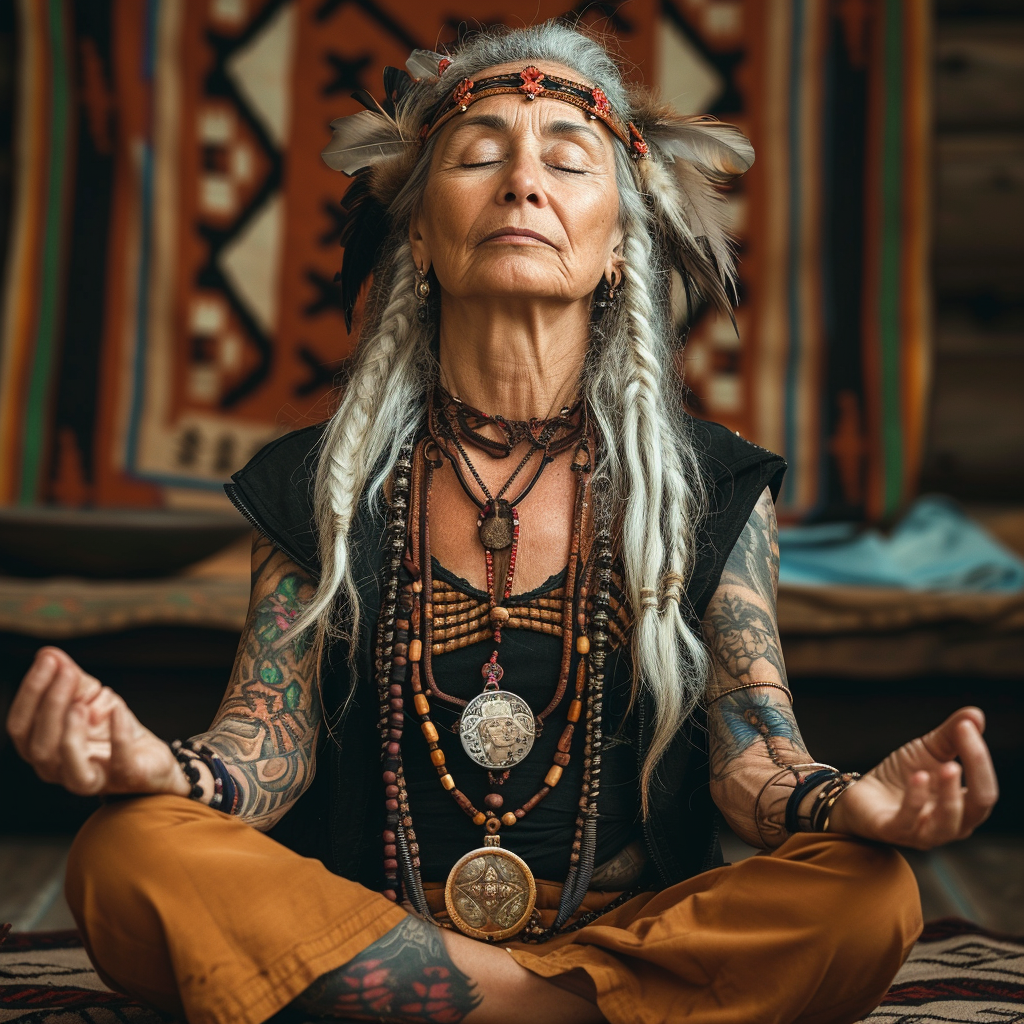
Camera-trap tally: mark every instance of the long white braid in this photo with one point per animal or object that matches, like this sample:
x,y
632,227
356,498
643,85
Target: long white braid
x,y
670,660
385,388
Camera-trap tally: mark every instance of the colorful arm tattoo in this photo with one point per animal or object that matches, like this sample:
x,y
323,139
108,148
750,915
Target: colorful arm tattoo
x,y
752,729
407,976
267,725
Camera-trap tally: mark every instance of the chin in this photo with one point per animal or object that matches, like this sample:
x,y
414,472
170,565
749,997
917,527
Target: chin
x,y
512,279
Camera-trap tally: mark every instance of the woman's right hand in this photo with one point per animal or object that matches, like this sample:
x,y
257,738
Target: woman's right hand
x,y
80,734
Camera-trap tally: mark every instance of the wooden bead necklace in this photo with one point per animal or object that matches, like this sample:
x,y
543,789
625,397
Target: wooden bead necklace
x,y
475,880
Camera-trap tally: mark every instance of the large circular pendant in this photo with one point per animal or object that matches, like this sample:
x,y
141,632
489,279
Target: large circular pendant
x,y
497,729
490,894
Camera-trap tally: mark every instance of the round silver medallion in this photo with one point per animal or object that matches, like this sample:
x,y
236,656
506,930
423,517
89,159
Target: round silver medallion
x,y
497,729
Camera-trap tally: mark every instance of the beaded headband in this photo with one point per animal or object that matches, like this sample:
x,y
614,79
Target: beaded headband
x,y
530,83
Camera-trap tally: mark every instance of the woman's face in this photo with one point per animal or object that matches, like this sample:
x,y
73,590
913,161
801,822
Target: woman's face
x,y
521,200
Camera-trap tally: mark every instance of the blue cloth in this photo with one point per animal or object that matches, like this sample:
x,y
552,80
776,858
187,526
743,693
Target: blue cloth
x,y
934,547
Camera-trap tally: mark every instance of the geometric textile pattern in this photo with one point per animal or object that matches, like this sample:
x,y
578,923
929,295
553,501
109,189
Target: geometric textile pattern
x,y
957,973
839,332
169,304
830,362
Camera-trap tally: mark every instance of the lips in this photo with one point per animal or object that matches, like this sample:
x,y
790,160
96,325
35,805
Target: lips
x,y
507,232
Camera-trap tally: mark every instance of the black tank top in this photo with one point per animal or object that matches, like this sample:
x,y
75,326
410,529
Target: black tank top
x,y
340,817
531,656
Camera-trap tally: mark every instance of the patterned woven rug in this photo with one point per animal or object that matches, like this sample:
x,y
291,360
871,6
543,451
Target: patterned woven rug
x,y
958,973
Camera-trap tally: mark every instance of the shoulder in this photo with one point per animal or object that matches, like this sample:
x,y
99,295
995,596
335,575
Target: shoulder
x,y
274,491
725,456
735,473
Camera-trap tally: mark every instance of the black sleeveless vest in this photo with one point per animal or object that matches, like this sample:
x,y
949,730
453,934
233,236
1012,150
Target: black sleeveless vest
x,y
339,819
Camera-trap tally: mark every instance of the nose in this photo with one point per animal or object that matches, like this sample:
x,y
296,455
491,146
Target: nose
x,y
522,182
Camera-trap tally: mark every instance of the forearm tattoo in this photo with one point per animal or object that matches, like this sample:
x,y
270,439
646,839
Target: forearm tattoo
x,y
266,728
753,732
753,720
405,976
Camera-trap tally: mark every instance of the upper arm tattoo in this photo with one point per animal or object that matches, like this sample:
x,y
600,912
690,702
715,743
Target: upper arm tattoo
x,y
741,630
267,725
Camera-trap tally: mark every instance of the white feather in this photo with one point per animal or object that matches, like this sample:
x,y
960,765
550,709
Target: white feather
x,y
362,140
424,63
718,149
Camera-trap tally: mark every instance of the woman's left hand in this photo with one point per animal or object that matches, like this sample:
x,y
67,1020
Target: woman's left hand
x,y
920,796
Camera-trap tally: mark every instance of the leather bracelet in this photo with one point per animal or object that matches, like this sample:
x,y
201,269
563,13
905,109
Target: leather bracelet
x,y
800,790
795,770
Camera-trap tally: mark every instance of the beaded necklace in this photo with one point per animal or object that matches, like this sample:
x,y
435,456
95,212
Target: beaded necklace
x,y
490,892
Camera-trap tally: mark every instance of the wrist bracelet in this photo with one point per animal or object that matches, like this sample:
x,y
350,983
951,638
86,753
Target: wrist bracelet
x,y
821,811
800,790
225,793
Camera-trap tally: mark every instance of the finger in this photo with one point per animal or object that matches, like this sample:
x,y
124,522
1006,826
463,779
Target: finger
x,y
48,726
37,680
949,804
914,803
79,773
980,775
102,705
941,742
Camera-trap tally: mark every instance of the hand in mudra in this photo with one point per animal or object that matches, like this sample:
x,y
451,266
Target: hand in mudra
x,y
80,734
921,795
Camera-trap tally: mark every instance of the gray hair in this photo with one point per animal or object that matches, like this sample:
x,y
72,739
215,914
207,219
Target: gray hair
x,y
645,460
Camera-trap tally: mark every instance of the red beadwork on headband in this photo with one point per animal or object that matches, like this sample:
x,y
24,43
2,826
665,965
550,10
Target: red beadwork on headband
x,y
443,65
463,94
590,99
532,77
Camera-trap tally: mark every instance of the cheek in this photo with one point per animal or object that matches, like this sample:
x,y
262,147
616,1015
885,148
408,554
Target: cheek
x,y
593,220
451,209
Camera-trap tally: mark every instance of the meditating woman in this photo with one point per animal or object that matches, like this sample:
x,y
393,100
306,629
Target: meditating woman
x,y
517,609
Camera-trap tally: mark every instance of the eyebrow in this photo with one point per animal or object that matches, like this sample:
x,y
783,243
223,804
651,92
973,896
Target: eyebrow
x,y
555,128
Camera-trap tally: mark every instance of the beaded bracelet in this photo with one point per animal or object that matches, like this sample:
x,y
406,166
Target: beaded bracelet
x,y
821,810
225,793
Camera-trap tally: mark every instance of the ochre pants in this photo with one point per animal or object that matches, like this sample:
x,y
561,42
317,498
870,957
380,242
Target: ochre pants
x,y
200,915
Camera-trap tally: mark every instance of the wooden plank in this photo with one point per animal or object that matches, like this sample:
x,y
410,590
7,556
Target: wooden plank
x,y
975,445
981,329
979,75
979,199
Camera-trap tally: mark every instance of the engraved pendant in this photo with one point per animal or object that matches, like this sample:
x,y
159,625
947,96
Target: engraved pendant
x,y
497,729
495,525
490,893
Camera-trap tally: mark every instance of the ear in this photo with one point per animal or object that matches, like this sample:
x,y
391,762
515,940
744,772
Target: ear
x,y
613,269
420,248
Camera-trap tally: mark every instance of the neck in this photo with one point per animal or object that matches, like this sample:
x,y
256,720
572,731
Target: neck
x,y
517,361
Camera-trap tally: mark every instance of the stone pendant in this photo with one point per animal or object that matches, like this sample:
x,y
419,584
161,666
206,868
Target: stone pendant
x,y
496,525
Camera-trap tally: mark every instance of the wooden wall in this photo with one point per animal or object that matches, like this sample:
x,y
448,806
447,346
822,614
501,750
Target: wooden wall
x,y
976,437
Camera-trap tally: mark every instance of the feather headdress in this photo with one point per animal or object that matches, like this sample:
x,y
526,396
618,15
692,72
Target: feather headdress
x,y
691,159
681,165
